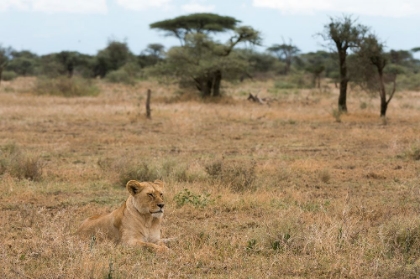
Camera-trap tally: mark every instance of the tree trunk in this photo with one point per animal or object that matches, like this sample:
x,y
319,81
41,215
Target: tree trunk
x,y
287,68
314,80
382,93
208,86
384,106
342,98
216,84
70,70
148,111
204,85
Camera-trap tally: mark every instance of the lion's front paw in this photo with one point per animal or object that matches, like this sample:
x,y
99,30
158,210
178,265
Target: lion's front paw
x,y
163,249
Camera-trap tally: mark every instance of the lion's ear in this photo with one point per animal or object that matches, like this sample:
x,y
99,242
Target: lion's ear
x,y
159,182
133,187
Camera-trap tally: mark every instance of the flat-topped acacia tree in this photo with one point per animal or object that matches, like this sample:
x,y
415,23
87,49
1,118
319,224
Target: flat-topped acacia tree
x,y
286,53
200,58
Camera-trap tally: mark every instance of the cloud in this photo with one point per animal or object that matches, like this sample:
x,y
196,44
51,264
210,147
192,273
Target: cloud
x,y
386,8
196,7
139,5
53,6
13,4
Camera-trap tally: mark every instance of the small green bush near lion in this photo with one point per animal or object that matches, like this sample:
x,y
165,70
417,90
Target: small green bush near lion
x,y
285,190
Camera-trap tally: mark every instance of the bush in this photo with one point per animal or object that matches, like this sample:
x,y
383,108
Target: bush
x,y
8,75
18,164
140,172
126,74
414,153
409,82
128,168
66,87
120,76
186,197
293,81
239,177
402,237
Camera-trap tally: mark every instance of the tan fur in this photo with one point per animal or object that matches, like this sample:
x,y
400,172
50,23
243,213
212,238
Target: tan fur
x,y
136,222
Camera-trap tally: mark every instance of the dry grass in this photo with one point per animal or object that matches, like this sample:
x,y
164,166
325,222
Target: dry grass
x,y
253,191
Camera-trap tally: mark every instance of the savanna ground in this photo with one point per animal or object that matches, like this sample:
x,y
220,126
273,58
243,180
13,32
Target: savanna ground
x,y
290,190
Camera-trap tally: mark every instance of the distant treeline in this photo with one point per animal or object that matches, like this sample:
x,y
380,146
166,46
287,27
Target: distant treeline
x,y
118,63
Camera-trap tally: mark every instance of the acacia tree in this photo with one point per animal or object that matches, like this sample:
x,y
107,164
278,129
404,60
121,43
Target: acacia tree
x,y
156,50
315,64
151,55
72,60
23,62
5,55
200,58
111,58
342,35
286,53
372,61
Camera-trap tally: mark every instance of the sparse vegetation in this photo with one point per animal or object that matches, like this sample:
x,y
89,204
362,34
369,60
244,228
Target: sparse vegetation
x,y
237,176
9,75
187,197
252,191
18,164
66,87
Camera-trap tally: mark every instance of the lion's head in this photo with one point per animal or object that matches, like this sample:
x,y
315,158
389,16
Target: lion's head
x,y
147,197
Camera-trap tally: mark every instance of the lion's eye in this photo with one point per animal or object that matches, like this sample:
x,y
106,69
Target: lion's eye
x,y
150,195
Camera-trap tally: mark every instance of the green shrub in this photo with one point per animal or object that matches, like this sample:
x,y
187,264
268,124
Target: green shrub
x,y
293,81
186,197
128,74
282,84
8,75
67,87
409,82
120,76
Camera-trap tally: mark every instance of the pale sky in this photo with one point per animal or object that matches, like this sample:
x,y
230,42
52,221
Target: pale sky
x,y
46,26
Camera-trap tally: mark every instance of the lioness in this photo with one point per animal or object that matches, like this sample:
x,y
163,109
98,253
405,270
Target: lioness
x,y
136,222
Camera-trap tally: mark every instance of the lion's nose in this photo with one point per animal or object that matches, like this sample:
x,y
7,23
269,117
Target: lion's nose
x,y
161,205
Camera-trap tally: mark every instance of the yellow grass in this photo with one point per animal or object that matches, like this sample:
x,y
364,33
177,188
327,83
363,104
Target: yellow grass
x,y
329,199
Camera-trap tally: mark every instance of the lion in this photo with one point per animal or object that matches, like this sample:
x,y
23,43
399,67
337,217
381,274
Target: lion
x,y
136,222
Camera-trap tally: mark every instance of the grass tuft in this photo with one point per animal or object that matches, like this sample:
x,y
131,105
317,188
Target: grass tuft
x,y
20,165
66,87
239,177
